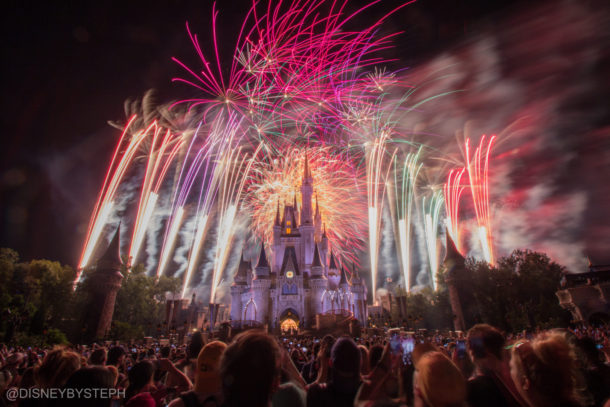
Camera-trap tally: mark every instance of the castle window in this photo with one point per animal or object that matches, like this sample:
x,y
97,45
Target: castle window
x,y
290,274
289,289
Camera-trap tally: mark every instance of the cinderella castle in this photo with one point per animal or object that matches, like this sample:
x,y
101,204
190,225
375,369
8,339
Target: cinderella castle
x,y
299,284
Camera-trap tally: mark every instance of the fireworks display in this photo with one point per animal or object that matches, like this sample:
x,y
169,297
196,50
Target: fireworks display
x,y
301,89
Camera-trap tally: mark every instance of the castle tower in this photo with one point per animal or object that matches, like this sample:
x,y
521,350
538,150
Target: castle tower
x,y
455,265
344,291
324,246
277,250
306,195
316,265
359,292
260,287
103,285
240,283
317,283
317,222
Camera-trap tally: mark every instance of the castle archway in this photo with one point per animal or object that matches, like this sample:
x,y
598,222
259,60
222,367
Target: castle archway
x,y
289,321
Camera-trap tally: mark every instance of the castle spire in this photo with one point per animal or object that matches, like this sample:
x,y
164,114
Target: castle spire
x,y
306,171
316,257
343,278
452,252
262,259
294,202
111,259
277,214
332,265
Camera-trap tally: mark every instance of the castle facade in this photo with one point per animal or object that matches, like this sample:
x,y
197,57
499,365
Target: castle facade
x,y
300,279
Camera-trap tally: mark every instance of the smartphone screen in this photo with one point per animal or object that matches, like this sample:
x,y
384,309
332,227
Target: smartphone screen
x,y
395,344
461,349
408,344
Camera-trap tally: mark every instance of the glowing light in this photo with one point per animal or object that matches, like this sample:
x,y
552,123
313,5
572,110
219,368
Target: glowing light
x,y
337,186
431,214
168,245
453,192
404,187
376,174
478,175
200,232
98,226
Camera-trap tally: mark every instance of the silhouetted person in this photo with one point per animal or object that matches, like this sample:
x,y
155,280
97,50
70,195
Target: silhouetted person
x,y
490,384
543,371
344,377
250,370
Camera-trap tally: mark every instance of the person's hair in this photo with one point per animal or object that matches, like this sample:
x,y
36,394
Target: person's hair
x,y
420,350
98,357
439,380
90,377
248,369
195,345
364,360
165,352
484,339
375,355
139,376
345,358
114,354
115,373
56,368
549,363
207,374
326,344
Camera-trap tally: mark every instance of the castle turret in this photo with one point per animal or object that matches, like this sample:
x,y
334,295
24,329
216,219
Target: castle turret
x,y
276,248
307,229
316,264
262,267
359,292
332,265
261,285
345,293
455,265
277,215
103,285
317,222
306,195
239,286
333,274
324,246
241,275
343,281
289,221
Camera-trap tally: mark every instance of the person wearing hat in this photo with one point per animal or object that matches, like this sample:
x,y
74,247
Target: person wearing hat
x,y
208,386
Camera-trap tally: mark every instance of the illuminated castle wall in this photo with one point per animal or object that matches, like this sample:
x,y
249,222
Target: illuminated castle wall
x,y
300,279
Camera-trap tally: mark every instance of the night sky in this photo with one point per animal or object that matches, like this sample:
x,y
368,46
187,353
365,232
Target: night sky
x,y
68,68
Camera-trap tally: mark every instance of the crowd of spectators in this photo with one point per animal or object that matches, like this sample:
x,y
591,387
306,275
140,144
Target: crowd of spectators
x,y
482,367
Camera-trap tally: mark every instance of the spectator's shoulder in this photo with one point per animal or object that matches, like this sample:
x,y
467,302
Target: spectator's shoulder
x,y
316,388
484,391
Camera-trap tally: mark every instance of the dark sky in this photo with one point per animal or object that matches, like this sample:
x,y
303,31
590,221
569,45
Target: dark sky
x,y
69,66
